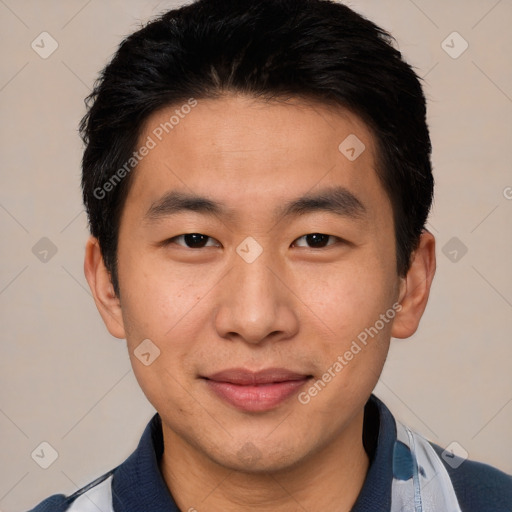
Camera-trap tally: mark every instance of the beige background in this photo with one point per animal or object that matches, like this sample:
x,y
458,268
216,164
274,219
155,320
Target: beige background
x,y
65,381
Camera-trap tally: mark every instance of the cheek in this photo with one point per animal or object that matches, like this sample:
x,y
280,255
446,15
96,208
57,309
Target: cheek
x,y
167,306
350,296
158,298
352,338
163,385
164,311
355,314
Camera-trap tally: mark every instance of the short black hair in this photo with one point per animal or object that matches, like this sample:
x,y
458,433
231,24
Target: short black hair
x,y
269,49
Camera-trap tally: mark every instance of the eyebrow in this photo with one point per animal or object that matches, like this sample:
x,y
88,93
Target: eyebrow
x,y
337,200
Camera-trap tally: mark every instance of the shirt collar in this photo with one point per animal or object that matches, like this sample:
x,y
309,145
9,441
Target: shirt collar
x,y
376,491
139,485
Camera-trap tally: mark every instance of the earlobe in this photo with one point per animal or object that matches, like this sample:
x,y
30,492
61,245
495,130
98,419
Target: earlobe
x,y
415,288
100,283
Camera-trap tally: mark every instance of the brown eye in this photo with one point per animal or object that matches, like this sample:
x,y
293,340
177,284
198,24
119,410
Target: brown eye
x,y
315,240
194,240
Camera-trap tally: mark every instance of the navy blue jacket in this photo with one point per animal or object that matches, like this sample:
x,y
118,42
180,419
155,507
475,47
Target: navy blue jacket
x,y
137,484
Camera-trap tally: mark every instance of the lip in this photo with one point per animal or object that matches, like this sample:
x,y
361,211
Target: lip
x,y
255,391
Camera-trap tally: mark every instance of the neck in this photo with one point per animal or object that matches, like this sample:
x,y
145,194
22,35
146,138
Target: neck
x,y
329,479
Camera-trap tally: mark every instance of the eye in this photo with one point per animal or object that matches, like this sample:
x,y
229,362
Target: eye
x,y
315,240
194,241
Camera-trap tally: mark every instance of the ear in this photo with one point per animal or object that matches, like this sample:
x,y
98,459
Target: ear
x,y
415,287
99,280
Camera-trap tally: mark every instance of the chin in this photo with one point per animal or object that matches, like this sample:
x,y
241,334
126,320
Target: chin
x,y
251,459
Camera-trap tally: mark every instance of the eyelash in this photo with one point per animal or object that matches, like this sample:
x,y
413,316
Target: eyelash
x,y
173,240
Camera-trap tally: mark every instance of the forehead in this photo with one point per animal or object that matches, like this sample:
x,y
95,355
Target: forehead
x,y
246,152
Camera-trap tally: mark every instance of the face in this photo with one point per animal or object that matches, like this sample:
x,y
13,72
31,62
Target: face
x,y
258,257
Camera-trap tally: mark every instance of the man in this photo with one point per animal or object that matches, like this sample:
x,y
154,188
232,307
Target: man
x,y
257,178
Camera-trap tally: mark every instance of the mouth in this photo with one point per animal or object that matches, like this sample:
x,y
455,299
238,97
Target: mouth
x,y
255,391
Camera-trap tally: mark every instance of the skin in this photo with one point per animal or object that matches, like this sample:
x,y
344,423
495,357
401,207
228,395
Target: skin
x,y
296,306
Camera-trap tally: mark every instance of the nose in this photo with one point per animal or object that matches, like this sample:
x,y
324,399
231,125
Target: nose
x,y
255,303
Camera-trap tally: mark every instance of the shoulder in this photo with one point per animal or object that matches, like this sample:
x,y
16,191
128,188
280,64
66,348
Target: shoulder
x,y
136,481
56,503
478,486
98,493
